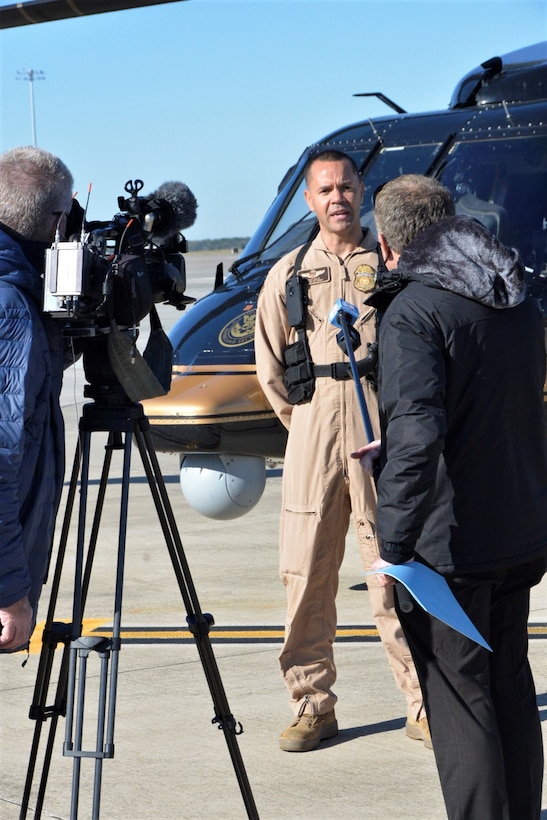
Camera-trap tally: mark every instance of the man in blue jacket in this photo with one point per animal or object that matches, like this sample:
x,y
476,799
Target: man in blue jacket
x,y
35,195
463,485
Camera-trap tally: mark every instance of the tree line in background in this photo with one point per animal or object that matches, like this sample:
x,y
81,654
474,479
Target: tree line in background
x,y
238,242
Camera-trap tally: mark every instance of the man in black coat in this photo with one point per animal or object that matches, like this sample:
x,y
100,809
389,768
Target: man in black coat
x,y
463,485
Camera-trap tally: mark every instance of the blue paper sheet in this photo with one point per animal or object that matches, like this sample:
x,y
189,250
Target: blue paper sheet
x,y
435,596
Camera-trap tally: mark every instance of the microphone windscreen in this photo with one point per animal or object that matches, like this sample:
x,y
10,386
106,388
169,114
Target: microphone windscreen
x,y
183,205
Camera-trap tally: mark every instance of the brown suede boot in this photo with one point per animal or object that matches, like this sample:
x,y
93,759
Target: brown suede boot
x,y
419,730
307,731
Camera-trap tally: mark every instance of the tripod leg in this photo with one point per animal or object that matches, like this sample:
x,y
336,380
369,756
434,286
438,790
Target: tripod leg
x,y
53,712
108,651
53,634
56,633
81,650
198,623
117,421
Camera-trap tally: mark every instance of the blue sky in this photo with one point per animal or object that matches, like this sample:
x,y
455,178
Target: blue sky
x,y
225,94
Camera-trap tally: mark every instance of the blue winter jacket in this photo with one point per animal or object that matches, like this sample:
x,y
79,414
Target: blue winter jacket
x,y
31,427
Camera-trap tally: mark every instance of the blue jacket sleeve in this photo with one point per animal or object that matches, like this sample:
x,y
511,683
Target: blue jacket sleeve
x,y
17,400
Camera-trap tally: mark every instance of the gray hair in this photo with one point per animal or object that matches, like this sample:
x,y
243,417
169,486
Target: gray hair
x,y
34,186
407,205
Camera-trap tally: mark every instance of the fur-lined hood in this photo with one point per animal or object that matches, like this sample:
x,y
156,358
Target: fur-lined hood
x,y
458,254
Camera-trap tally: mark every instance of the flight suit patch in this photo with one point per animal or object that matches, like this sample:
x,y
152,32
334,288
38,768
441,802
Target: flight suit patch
x,y
315,276
364,278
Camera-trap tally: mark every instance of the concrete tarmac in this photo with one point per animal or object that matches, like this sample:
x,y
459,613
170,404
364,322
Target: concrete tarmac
x,y
170,760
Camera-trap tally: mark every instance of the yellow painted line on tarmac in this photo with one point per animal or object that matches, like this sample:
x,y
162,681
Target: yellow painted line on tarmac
x,y
233,634
90,625
357,632
175,634
537,630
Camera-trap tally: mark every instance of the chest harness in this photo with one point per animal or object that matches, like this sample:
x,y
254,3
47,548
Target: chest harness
x,y
301,372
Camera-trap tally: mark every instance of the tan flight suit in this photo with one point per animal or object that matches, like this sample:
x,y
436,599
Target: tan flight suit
x,y
322,484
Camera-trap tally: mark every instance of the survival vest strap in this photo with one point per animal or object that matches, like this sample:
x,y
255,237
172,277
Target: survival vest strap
x,y
299,377
340,371
301,372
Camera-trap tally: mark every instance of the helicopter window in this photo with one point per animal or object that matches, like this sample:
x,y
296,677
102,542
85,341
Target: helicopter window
x,y
391,163
503,184
294,225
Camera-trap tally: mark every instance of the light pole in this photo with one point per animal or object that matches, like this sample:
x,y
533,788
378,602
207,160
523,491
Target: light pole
x,y
30,74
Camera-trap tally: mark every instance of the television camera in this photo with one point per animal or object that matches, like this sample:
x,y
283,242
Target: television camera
x,y
116,271
108,276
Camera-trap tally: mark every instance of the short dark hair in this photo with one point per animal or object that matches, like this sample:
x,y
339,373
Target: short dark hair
x,y
328,155
407,205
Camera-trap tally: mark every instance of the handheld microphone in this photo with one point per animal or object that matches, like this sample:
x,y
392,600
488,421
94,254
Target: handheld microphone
x,y
343,315
350,311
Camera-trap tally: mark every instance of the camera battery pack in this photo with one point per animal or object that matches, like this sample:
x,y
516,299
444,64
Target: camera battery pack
x,y
63,276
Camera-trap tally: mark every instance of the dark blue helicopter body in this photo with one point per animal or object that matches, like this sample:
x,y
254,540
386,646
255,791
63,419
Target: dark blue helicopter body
x,y
489,147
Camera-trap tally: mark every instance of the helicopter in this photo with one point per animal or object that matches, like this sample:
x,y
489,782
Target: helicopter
x,y
489,148
46,11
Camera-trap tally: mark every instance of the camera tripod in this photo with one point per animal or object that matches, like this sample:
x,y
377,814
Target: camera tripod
x,y
124,421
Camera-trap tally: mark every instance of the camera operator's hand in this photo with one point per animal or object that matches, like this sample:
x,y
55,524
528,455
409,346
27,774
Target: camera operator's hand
x,y
16,624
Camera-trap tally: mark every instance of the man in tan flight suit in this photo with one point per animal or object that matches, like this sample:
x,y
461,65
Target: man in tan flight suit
x,y
322,484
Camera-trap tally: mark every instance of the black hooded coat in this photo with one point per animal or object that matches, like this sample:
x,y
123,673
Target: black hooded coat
x,y
461,373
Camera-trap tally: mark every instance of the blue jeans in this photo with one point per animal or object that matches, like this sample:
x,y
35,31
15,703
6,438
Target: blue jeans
x,y
481,705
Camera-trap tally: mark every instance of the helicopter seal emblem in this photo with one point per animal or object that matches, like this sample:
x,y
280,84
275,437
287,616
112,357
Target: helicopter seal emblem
x,y
239,330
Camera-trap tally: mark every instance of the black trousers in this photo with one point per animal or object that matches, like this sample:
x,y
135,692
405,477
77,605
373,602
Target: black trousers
x,y
481,705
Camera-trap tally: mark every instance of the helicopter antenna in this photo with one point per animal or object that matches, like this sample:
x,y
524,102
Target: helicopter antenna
x,y
375,131
384,99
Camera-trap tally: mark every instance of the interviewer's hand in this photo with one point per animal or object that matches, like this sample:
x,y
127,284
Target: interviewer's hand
x,y
16,621
385,580
367,455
